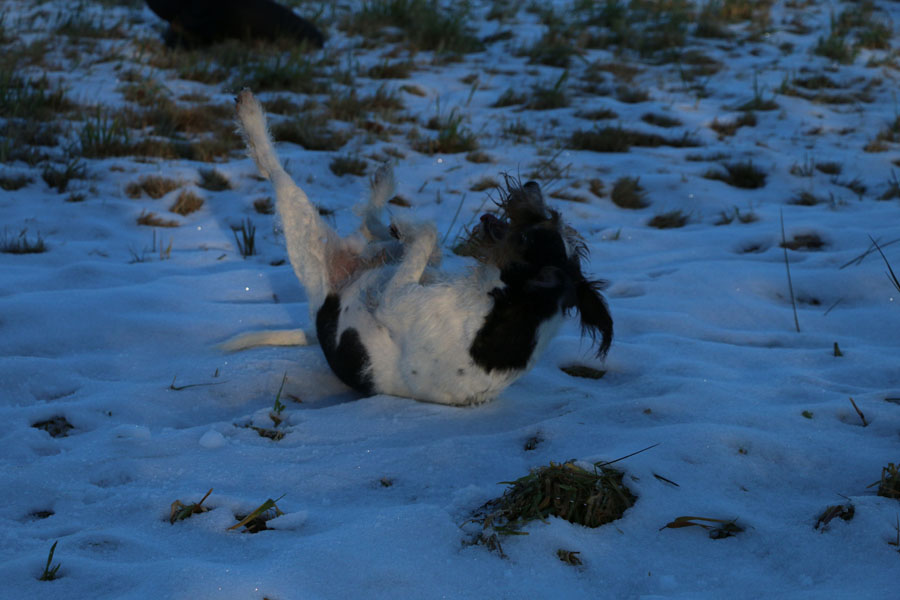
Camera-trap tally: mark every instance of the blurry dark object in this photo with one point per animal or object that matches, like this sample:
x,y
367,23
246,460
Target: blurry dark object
x,y
200,22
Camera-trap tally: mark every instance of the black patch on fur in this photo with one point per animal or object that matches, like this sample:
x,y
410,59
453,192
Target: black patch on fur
x,y
533,293
540,284
201,22
347,357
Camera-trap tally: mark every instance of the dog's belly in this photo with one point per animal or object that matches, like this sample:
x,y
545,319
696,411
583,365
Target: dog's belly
x,y
415,344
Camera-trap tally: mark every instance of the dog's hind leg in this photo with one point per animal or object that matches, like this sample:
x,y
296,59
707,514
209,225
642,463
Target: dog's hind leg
x,y
321,260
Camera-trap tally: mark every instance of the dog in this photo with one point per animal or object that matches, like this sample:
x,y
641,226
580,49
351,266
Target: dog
x,y
389,322
202,22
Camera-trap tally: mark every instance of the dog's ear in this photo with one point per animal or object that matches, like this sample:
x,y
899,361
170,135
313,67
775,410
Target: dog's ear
x,y
524,204
595,317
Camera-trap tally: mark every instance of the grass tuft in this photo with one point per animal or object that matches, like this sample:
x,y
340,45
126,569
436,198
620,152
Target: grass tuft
x,y
186,203
660,120
453,136
57,426
423,24
618,139
34,99
309,131
256,520
668,220
213,180
348,165
50,573
180,511
264,206
246,243
889,486
11,183
150,219
104,135
588,498
59,177
628,193
550,96
744,175
154,186
20,244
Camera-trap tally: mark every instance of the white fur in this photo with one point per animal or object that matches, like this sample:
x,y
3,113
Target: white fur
x,y
416,325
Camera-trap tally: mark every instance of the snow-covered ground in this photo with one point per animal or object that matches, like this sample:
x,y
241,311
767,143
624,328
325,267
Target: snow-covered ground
x,y
115,328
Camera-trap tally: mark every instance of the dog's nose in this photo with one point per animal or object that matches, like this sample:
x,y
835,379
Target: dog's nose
x,y
493,227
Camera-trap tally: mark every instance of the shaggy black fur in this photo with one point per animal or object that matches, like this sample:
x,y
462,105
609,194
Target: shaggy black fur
x,y
540,281
347,357
201,22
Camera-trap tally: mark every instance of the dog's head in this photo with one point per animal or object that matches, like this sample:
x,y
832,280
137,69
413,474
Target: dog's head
x,y
540,256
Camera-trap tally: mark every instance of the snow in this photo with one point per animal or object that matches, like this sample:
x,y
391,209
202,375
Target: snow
x,y
706,362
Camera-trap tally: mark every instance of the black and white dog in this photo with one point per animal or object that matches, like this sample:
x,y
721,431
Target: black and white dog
x,y
389,323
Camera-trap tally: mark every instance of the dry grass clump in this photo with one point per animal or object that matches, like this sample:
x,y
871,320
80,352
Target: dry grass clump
x,y
453,136
281,105
186,203
744,175
343,165
804,241
423,24
35,99
628,193
307,130
600,114
12,183
583,371
669,220
20,244
728,128
213,180
889,486
619,139
59,177
660,120
104,134
547,96
352,107
150,219
389,70
264,206
479,157
57,426
485,183
154,186
806,198
568,491
510,98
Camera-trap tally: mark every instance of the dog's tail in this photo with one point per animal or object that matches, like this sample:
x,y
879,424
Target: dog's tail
x,y
256,135
274,337
311,244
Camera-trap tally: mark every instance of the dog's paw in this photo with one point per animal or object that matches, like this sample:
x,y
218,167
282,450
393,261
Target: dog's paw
x,y
247,106
408,232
